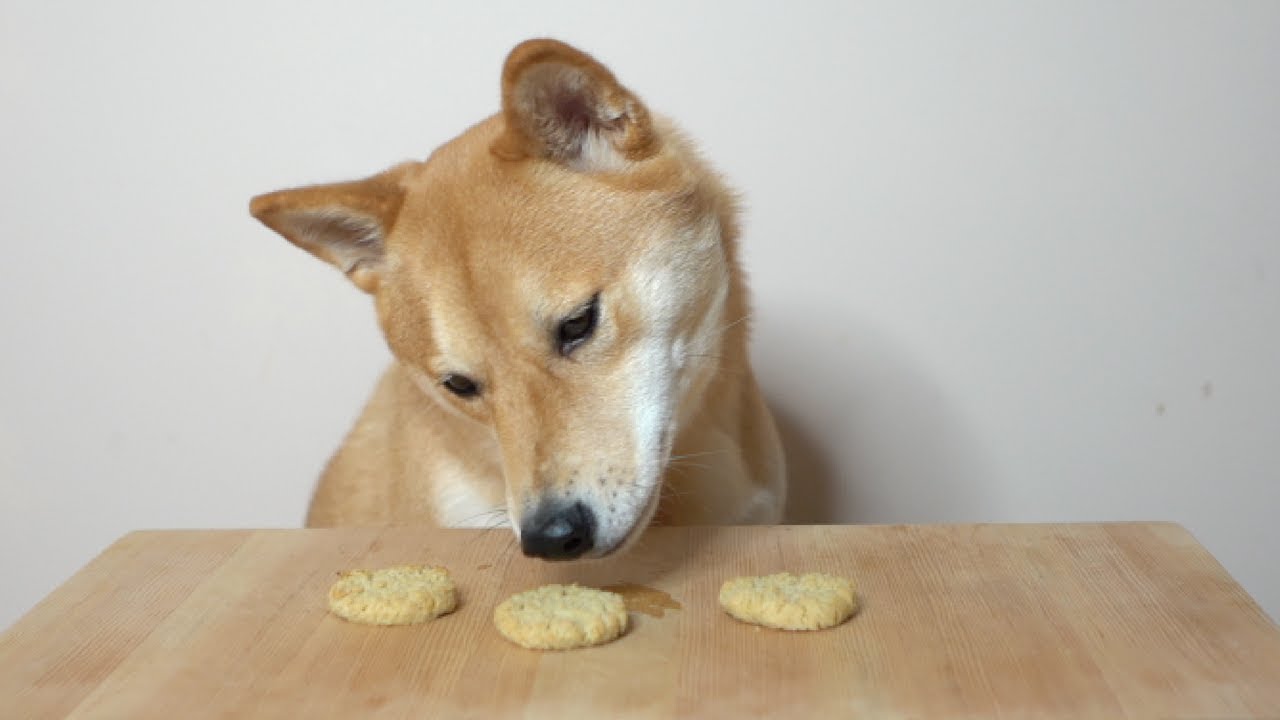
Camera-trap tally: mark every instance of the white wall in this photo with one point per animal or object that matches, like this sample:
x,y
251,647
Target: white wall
x,y
1013,261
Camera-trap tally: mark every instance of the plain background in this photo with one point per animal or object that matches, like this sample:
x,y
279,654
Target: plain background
x,y
1013,261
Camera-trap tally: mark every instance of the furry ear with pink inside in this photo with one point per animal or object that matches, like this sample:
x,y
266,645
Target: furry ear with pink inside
x,y
560,104
344,224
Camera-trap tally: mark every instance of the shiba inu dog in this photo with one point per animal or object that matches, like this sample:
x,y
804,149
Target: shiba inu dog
x,y
560,288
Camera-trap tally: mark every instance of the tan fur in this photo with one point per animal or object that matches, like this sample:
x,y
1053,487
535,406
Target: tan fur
x,y
473,257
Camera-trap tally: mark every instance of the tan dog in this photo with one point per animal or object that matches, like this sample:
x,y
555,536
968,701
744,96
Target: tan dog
x,y
561,291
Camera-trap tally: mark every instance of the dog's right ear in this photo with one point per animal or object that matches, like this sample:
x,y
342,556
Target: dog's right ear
x,y
560,104
344,224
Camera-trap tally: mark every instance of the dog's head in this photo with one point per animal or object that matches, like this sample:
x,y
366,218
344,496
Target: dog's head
x,y
559,273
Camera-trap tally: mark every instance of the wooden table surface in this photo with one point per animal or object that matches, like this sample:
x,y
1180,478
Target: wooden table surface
x,y
982,621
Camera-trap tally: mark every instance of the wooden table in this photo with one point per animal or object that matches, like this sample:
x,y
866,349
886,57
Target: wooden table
x,y
982,621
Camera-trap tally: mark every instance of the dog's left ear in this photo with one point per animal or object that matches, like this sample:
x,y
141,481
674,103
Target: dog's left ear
x,y
343,224
560,104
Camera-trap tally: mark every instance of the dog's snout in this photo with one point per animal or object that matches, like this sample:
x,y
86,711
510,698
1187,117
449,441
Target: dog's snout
x,y
559,533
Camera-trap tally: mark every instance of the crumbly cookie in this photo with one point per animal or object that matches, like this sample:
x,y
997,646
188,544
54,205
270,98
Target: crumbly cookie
x,y
393,596
789,602
561,617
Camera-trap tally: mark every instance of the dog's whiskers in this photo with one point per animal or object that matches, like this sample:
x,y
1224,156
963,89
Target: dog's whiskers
x,y
681,465
498,522
683,456
703,358
500,512
743,319
492,519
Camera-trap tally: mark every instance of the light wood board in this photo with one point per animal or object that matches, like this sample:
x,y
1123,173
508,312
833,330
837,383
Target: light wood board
x,y
983,621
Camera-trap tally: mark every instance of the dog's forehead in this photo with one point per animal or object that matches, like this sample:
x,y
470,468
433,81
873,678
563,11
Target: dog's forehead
x,y
536,231
497,251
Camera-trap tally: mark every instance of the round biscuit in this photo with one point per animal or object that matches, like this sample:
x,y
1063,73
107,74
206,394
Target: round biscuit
x,y
401,595
790,602
561,617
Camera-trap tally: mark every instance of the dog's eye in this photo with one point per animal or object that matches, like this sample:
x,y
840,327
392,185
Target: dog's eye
x,y
461,385
577,328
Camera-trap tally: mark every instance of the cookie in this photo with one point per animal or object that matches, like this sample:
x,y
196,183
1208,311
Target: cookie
x,y
561,617
790,602
393,596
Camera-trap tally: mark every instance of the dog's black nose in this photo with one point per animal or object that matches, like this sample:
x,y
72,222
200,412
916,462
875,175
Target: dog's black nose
x,y
558,533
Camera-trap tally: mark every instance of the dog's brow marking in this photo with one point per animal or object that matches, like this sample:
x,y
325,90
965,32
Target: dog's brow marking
x,y
439,332
442,333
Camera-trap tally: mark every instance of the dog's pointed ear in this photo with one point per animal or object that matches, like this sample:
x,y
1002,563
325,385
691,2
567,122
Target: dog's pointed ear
x,y
344,224
560,104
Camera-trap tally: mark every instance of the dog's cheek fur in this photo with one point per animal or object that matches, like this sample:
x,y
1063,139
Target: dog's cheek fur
x,y
410,324
674,302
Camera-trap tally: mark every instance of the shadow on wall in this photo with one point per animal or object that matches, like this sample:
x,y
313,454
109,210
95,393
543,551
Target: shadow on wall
x,y
870,437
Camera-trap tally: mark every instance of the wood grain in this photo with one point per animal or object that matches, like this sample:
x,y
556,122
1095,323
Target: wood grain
x,y
967,621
